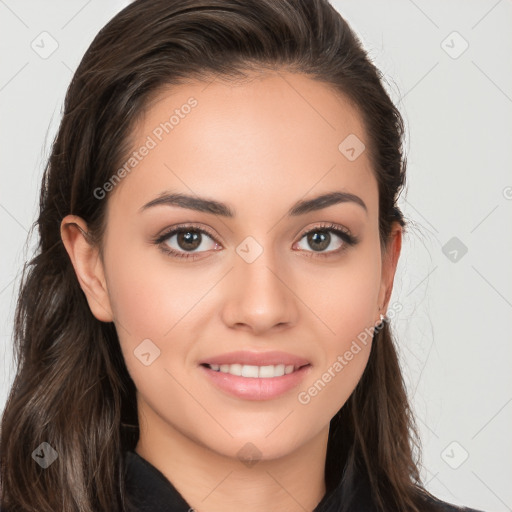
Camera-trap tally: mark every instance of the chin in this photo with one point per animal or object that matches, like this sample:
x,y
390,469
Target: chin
x,y
259,445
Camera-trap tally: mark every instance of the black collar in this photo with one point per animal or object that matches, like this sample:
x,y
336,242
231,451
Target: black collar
x,y
148,490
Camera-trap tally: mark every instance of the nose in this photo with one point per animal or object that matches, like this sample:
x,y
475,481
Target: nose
x,y
260,297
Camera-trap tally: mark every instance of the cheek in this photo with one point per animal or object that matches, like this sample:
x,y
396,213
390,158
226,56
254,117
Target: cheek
x,y
146,303
344,299
149,297
151,310
343,353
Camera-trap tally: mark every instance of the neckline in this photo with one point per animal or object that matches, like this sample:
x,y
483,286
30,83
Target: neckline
x,y
149,490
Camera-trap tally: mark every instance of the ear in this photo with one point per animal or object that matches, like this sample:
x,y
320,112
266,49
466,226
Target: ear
x,y
88,266
389,264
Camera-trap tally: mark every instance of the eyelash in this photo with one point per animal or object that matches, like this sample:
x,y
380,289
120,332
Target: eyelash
x,y
348,239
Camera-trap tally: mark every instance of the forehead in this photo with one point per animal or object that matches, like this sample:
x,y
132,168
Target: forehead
x,y
277,136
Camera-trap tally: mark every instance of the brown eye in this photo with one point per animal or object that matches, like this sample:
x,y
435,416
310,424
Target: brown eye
x,y
189,240
321,240
186,242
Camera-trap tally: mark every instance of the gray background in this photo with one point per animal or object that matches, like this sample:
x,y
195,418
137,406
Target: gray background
x,y
454,329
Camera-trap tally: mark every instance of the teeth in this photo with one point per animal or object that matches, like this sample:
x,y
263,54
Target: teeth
x,y
246,370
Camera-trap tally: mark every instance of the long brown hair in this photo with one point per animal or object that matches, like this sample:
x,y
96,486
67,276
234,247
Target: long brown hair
x,y
72,389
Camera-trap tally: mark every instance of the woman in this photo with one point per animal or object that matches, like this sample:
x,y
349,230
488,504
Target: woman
x,y
204,326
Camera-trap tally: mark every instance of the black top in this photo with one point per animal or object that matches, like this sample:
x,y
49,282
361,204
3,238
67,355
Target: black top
x,y
148,490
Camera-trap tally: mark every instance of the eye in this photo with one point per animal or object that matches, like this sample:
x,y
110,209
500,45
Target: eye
x,y
186,241
189,241
320,238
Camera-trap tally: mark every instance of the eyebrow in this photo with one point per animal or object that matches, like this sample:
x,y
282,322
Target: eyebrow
x,y
301,207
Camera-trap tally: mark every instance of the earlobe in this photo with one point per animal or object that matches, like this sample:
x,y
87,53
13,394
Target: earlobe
x,y
88,266
389,265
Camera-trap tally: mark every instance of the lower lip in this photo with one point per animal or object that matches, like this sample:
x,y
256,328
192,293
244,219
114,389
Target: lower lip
x,y
251,388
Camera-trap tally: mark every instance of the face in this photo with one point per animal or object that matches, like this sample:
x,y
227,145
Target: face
x,y
248,275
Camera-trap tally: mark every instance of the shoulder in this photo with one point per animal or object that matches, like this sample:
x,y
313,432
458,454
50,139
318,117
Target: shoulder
x,y
444,506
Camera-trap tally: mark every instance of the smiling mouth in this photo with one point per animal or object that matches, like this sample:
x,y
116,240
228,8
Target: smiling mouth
x,y
255,372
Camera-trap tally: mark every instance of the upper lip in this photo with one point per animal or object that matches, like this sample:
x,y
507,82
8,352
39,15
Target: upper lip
x,y
256,359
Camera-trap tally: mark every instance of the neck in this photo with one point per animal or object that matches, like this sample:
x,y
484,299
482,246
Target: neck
x,y
212,482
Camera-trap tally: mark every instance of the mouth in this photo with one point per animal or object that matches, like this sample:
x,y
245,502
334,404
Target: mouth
x,y
252,382
251,375
253,371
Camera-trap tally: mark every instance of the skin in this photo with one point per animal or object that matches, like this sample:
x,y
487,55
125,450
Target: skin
x,y
258,146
